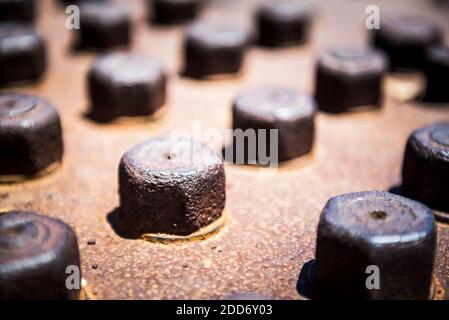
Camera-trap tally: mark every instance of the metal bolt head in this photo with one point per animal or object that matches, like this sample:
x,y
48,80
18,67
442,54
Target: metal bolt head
x,y
425,171
22,54
124,84
35,252
212,49
30,135
283,23
349,77
290,112
172,186
380,229
405,40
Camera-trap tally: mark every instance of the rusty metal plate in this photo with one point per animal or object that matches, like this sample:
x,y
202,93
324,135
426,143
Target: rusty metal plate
x,y
272,216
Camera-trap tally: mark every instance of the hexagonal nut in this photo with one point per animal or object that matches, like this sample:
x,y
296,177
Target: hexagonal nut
x,y
425,171
172,12
283,23
30,135
125,85
349,77
36,252
405,39
171,186
23,54
212,49
259,111
392,233
103,25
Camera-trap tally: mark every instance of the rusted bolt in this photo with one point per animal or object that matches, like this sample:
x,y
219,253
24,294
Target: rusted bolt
x,y
290,112
170,185
103,25
18,10
425,171
283,23
436,70
123,84
30,135
173,11
405,40
348,78
392,233
214,49
35,254
22,54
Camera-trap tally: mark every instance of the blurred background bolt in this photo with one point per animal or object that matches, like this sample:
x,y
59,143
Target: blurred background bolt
x,y
349,77
425,171
283,23
35,252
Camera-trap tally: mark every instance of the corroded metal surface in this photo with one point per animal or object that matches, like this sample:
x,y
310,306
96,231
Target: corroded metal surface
x,y
273,216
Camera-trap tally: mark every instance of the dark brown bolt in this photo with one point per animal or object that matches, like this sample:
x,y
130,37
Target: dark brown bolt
x,y
125,84
22,54
349,78
425,171
35,253
436,70
214,49
405,40
170,185
30,135
103,25
173,11
17,10
395,234
283,23
290,112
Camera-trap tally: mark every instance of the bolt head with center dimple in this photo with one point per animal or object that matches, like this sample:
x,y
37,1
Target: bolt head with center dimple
x,y
172,186
395,234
